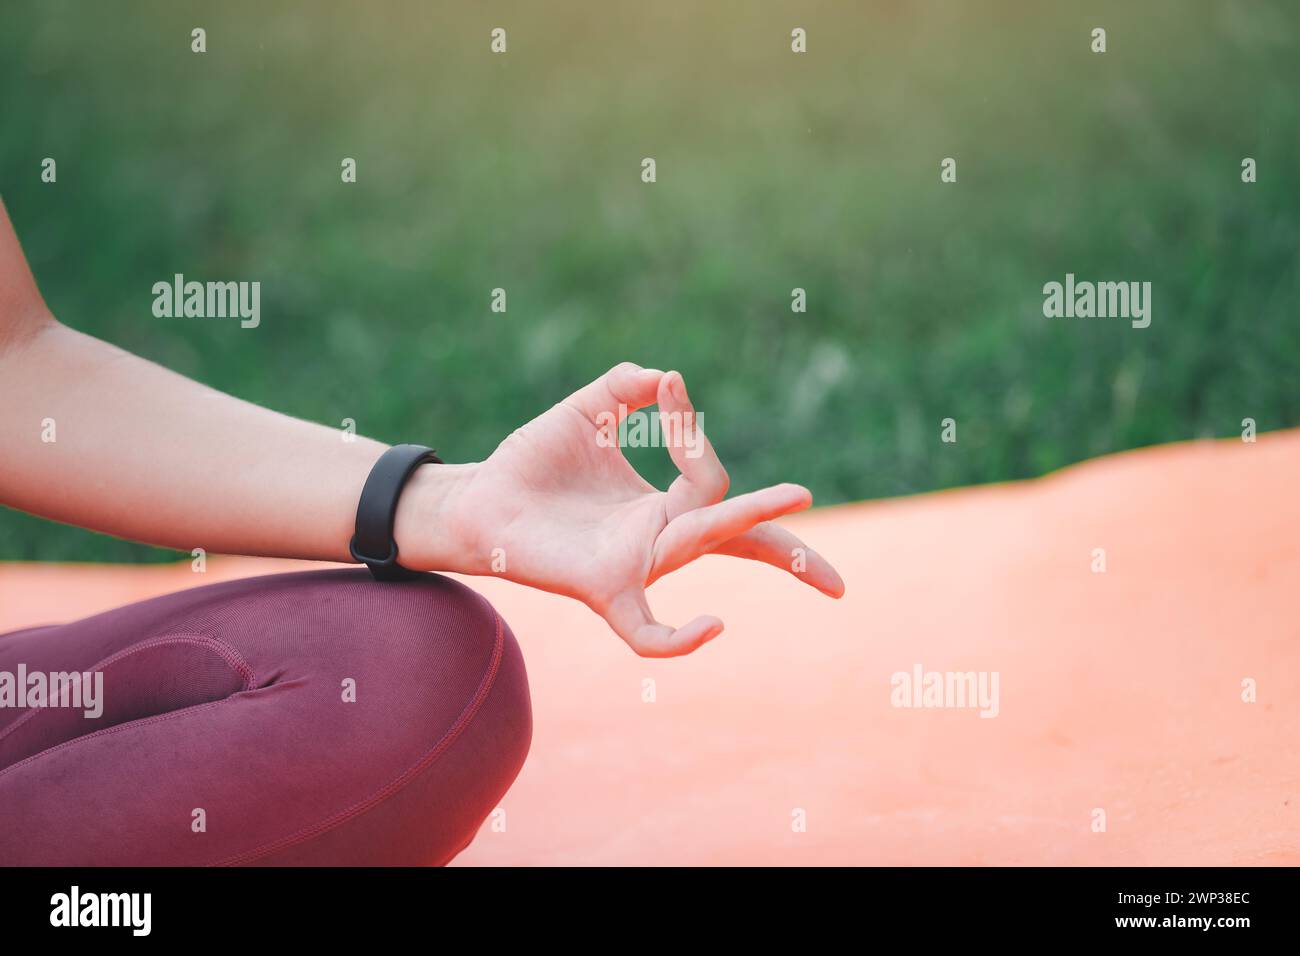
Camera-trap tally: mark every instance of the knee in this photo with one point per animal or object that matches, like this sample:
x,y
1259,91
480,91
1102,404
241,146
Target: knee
x,y
440,726
450,650
474,760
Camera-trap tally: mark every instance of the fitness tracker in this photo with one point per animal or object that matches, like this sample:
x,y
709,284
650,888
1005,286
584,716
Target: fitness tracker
x,y
373,544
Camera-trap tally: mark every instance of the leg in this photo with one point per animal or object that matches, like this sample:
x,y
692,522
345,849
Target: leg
x,y
233,699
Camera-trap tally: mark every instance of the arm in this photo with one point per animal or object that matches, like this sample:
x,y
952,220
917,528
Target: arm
x,y
143,453
146,454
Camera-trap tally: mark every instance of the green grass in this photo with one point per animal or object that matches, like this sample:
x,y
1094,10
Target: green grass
x,y
774,171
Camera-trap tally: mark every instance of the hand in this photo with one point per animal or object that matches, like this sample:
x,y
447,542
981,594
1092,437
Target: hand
x,y
557,507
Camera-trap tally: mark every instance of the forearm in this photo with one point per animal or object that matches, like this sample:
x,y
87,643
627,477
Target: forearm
x,y
96,437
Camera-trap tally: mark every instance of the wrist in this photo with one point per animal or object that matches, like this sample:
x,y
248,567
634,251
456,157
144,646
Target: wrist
x,y
432,533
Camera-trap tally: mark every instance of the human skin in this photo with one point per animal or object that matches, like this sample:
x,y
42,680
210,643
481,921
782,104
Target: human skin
x,y
147,454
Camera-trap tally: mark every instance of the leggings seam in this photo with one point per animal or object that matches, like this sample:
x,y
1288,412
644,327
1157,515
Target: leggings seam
x,y
334,821
222,649
129,725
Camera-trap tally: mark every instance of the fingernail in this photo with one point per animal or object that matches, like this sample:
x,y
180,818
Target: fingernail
x,y
678,387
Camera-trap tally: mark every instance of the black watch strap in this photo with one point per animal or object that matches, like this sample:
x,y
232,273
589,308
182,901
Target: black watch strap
x,y
373,544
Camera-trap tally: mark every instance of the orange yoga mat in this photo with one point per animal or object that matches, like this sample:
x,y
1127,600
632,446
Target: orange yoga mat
x,y
1126,732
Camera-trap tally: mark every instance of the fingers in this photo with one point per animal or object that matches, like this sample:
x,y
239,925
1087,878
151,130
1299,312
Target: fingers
x,y
624,388
629,615
772,544
698,532
703,480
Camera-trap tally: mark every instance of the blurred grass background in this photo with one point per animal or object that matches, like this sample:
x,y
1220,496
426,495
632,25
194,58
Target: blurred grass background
x,y
775,170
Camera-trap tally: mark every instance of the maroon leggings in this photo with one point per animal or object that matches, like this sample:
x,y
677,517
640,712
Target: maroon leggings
x,y
298,719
